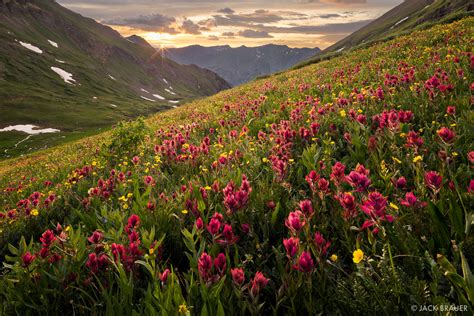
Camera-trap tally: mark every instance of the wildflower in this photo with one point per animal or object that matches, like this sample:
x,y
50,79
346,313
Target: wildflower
x,y
199,224
347,201
306,207
96,237
34,212
220,264
433,180
375,205
418,159
446,134
214,226
358,181
149,180
238,276
295,221
228,234
164,276
357,256
27,259
291,245
133,221
92,263
205,266
183,309
401,183
305,262
47,238
333,257
259,282
451,110
321,243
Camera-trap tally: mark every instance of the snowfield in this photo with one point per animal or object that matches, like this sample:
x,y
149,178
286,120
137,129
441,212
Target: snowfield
x,y
66,76
31,47
53,43
145,98
29,129
159,97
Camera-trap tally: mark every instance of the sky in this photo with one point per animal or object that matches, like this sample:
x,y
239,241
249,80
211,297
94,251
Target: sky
x,y
178,23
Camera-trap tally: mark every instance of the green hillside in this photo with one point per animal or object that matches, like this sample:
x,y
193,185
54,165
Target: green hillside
x,y
405,18
114,78
348,183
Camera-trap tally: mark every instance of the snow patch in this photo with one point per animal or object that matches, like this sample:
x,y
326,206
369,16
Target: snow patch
x,y
29,129
165,81
145,98
169,91
60,61
401,21
340,49
115,106
31,47
53,43
143,90
67,77
159,97
111,77
173,101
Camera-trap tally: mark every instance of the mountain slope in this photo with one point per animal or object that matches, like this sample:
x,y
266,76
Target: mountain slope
x,y
348,183
64,71
404,18
241,64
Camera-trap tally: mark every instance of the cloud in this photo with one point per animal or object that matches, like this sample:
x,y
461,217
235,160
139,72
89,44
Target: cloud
x,y
153,22
327,29
213,38
189,27
226,11
254,34
332,1
228,34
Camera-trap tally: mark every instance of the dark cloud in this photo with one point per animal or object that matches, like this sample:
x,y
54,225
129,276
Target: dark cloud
x,y
228,34
153,22
254,34
213,38
189,27
327,29
329,16
226,11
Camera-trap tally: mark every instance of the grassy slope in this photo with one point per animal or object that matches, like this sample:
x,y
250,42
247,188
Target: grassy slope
x,y
287,94
421,14
31,93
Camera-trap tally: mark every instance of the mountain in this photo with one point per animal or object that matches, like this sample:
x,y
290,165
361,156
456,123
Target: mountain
x,y
346,186
241,64
62,71
404,18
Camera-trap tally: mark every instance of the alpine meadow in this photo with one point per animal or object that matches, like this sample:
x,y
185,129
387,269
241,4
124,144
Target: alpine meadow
x,y
343,186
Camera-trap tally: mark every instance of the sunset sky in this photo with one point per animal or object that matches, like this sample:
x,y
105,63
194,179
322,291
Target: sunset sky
x,y
177,23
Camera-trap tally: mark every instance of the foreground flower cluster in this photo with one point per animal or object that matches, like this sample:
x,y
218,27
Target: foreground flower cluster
x,y
347,183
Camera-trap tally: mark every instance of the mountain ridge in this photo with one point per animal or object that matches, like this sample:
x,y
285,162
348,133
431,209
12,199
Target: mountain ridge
x,y
241,64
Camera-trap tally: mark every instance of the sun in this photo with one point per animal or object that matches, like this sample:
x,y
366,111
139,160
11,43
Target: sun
x,y
158,37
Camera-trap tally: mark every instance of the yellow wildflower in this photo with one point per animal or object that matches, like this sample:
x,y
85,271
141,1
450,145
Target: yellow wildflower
x,y
333,258
183,309
417,159
358,256
184,212
34,212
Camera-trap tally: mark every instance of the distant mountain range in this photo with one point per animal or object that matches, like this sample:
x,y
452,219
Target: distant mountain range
x,y
404,18
62,71
241,64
